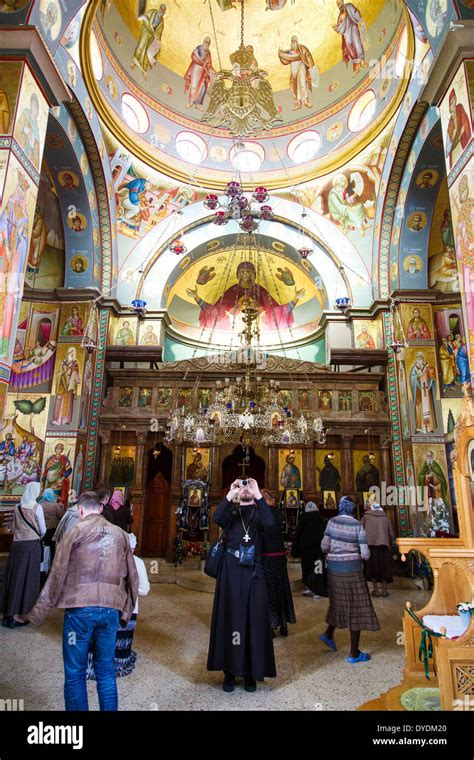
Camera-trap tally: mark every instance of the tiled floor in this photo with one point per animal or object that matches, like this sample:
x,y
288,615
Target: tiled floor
x,y
172,638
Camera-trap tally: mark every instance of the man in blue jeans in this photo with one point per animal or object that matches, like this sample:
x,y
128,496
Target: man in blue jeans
x,y
94,579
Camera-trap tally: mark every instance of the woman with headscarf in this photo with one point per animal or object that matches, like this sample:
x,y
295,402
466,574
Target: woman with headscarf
x,y
241,642
275,570
380,537
53,514
307,545
22,574
125,657
120,512
350,605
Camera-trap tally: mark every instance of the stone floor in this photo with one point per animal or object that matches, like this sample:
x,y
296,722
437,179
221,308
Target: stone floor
x,y
172,638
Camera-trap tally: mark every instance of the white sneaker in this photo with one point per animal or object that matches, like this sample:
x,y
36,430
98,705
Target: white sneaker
x,y
316,596
306,592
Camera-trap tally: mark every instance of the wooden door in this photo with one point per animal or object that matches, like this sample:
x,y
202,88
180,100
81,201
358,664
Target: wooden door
x,y
156,518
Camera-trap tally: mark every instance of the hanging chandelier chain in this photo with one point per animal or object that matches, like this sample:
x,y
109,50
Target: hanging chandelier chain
x,y
242,21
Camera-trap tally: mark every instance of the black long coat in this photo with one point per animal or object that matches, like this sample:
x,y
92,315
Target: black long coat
x,y
241,639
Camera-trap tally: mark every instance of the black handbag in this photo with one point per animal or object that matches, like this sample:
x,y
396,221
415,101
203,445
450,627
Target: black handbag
x,y
247,555
214,559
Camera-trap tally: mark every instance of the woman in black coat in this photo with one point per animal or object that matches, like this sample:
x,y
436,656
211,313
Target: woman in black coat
x,y
241,642
275,570
307,545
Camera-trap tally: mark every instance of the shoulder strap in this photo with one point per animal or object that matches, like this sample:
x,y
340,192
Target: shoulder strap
x,y
28,523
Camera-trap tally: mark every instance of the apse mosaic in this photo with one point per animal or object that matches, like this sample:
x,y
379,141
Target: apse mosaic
x,y
207,298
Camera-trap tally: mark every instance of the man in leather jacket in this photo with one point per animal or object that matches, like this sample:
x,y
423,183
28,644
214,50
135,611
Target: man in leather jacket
x,y
94,579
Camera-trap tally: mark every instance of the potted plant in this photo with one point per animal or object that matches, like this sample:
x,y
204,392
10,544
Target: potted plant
x,y
465,610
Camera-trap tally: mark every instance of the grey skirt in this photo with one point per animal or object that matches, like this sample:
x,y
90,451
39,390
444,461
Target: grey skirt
x,y
350,605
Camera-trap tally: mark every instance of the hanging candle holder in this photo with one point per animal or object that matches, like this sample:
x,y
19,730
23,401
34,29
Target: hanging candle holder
x,y
248,224
342,304
260,194
266,213
139,306
220,218
211,202
233,189
178,247
304,252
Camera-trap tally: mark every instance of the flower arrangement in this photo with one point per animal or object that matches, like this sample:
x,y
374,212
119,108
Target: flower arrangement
x,y
179,551
193,549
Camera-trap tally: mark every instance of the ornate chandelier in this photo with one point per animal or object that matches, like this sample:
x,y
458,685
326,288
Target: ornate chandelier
x,y
247,409
241,98
246,212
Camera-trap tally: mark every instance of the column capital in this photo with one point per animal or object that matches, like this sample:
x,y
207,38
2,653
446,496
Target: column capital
x,y
104,435
346,440
26,41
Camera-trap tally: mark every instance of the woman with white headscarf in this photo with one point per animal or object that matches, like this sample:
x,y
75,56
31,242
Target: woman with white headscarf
x,y
22,575
126,657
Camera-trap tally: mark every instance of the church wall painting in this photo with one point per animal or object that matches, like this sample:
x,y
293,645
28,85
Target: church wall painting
x,y
78,470
205,299
368,334
366,401
22,440
366,469
431,475
462,205
290,469
149,332
456,118
328,470
453,352
403,397
305,399
35,347
144,397
196,463
16,220
122,466
285,398
67,387
424,390
123,331
325,400
58,462
31,119
417,322
164,397
125,396
442,265
46,253
9,85
73,320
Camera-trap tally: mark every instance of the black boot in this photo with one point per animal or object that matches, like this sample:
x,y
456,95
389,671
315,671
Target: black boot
x,y
283,630
229,682
249,684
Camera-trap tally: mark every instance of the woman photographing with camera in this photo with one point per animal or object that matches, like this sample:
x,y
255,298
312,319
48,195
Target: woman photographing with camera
x,y
241,642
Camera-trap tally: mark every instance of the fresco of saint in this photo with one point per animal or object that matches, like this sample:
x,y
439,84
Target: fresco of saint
x,y
459,129
28,134
198,75
73,324
56,470
222,314
149,41
423,390
417,328
301,63
351,26
290,475
69,379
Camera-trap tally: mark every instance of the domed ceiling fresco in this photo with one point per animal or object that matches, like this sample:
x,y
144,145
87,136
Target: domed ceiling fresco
x,y
149,67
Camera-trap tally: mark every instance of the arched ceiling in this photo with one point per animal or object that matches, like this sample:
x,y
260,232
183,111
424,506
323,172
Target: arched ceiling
x,y
144,100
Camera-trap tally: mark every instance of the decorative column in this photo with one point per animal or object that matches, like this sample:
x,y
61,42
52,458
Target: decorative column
x,y
450,88
30,85
104,454
346,461
385,471
137,493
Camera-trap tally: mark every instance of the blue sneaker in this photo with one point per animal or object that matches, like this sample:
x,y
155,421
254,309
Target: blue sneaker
x,y
329,642
363,657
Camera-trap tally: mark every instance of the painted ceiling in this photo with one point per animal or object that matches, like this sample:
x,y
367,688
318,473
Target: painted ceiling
x,y
141,83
